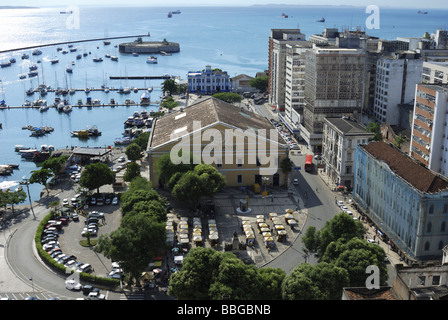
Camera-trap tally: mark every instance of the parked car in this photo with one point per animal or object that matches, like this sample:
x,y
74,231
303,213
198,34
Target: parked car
x,y
75,216
93,201
96,296
121,159
115,201
107,201
73,285
295,182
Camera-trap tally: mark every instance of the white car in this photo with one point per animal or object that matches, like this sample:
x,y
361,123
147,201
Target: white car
x,y
96,296
121,159
349,213
371,241
295,182
340,203
344,208
73,285
65,202
115,201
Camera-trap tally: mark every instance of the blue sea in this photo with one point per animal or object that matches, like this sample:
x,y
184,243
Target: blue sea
x,y
234,39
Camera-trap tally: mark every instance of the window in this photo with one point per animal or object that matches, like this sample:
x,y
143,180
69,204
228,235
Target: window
x,y
239,178
240,162
435,280
428,227
421,280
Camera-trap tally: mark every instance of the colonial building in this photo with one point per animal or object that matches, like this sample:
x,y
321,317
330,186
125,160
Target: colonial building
x,y
340,138
208,81
407,202
243,146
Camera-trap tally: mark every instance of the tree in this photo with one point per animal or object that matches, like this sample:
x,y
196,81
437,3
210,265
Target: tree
x,y
203,180
228,97
142,140
311,239
129,199
167,169
210,274
96,175
169,103
399,139
286,166
323,281
12,197
132,171
54,164
134,244
374,127
133,152
260,83
355,256
41,176
169,85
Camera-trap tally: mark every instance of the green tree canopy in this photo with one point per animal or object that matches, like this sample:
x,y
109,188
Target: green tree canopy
x,y
169,86
323,281
166,169
132,171
133,152
210,274
54,164
229,97
260,83
41,176
96,175
11,197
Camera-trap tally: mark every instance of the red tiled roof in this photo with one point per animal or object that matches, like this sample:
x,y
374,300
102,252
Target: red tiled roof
x,y
417,175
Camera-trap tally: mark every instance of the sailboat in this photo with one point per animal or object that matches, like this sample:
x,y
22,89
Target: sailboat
x,y
321,20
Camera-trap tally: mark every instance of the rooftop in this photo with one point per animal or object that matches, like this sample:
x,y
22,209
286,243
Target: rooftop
x,y
207,112
408,169
348,126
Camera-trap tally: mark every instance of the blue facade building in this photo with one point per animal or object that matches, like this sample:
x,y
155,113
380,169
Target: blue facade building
x,y
407,202
208,81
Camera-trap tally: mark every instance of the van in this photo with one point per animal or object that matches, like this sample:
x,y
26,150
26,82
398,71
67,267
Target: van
x,y
85,268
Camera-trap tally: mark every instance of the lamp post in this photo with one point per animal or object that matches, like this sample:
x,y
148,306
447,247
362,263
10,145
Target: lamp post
x,y
27,182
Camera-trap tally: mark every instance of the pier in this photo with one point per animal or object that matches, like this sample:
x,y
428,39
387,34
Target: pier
x,y
164,77
74,106
74,41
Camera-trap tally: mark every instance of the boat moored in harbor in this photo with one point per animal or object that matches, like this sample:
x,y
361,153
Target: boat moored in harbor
x,y
151,60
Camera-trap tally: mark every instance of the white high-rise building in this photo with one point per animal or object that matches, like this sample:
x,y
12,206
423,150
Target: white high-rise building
x,y
396,78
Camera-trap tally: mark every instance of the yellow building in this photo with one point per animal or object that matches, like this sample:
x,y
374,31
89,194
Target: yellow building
x,y
241,145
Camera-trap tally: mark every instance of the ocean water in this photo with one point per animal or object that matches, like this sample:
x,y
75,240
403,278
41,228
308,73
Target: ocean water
x,y
233,39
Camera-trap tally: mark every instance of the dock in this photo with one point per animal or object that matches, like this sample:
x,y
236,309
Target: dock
x,y
164,77
74,41
152,103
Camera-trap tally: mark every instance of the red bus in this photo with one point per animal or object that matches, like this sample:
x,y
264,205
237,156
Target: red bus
x,y
309,163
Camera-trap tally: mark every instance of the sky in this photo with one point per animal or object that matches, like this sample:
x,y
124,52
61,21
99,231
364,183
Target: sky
x,y
442,4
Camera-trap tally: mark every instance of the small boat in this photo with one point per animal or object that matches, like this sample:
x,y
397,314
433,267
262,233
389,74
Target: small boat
x,y
12,60
43,108
29,92
151,59
284,15
135,90
67,109
54,61
126,90
106,42
135,54
5,64
37,52
175,12
72,91
32,74
97,59
170,14
69,70
22,76
33,67
114,58
73,49
96,102
422,12
27,103
107,55
321,20
86,90
25,56
106,90
60,107
123,141
145,98
79,56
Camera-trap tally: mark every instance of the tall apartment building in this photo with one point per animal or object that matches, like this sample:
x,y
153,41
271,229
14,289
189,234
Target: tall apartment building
x,y
435,72
407,202
429,136
278,40
396,78
340,138
295,86
334,85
